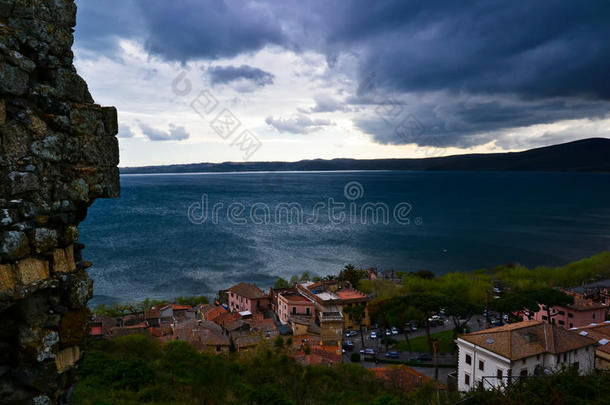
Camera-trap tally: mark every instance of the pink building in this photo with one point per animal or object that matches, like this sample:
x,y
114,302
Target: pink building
x,y
290,302
247,297
582,313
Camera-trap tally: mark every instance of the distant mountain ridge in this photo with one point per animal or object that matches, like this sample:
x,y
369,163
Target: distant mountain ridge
x,y
587,155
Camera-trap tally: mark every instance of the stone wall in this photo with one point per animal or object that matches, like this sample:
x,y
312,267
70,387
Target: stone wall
x,y
58,153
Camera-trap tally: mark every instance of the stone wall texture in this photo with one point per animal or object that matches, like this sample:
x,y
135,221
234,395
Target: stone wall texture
x,y
58,153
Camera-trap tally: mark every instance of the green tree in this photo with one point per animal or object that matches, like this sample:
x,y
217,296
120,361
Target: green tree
x,y
305,276
294,280
281,283
357,314
351,274
428,304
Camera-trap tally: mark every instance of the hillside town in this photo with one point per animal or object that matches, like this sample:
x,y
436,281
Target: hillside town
x,y
319,323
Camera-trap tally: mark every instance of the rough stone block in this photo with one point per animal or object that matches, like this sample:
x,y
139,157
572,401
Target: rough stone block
x,y
22,182
43,239
70,257
32,270
63,260
7,278
87,120
14,245
67,358
110,120
2,112
13,80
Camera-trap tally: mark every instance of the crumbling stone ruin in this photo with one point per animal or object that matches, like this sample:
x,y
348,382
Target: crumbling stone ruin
x,y
58,153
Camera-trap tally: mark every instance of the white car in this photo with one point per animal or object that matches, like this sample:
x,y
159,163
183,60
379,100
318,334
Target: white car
x,y
373,335
388,333
394,330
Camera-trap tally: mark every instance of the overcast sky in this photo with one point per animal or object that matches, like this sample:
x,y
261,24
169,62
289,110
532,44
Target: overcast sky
x,y
193,79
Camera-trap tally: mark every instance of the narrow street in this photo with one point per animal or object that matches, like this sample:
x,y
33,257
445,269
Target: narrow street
x,y
476,323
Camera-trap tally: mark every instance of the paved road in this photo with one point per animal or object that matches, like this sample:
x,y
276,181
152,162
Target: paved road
x,y
475,323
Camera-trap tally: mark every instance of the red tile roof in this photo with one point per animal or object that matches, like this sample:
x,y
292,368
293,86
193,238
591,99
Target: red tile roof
x,y
599,332
177,307
400,376
215,313
348,294
525,339
250,291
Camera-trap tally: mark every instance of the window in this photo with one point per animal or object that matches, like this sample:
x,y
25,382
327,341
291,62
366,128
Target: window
x,y
570,315
294,310
561,322
593,316
524,361
523,373
565,357
468,359
538,357
571,325
544,318
562,313
307,311
481,365
466,379
499,374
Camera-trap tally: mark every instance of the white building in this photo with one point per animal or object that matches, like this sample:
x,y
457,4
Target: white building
x,y
497,356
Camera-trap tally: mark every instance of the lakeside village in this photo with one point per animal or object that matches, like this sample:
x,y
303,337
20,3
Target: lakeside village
x,y
405,340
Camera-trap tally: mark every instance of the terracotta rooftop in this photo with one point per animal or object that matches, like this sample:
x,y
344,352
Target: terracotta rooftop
x,y
226,318
525,339
400,376
177,307
246,290
599,332
349,294
152,313
585,304
212,314
294,297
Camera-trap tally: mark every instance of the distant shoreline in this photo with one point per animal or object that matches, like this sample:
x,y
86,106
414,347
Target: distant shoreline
x,y
587,155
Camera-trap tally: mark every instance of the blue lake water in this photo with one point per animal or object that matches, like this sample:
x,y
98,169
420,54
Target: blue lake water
x,y
145,244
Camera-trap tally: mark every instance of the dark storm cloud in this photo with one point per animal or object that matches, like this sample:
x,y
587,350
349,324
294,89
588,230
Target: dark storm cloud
x,y
464,122
228,74
526,62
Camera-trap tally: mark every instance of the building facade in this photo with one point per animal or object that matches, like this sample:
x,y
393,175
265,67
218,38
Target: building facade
x,y
247,297
583,312
290,303
499,356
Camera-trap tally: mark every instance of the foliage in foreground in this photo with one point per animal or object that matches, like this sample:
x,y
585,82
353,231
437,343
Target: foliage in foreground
x,y
559,389
136,369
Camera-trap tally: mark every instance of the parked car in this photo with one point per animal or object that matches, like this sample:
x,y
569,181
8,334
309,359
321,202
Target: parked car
x,y
369,352
392,355
414,328
373,335
351,333
348,345
388,333
394,330
422,358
